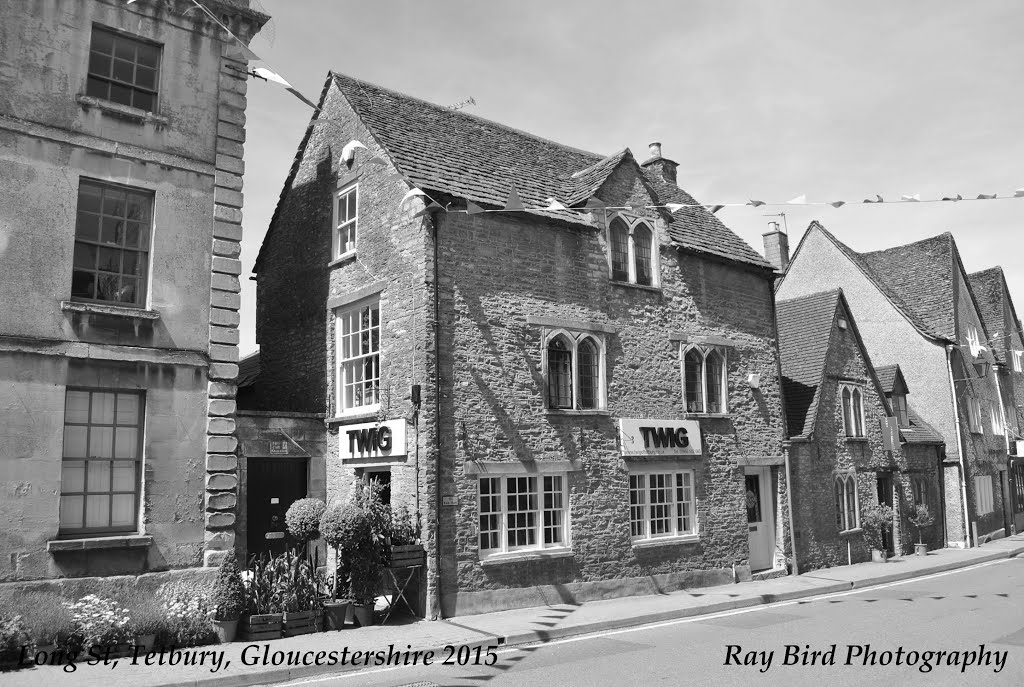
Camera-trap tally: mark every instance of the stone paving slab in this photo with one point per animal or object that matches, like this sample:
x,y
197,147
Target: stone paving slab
x,y
506,628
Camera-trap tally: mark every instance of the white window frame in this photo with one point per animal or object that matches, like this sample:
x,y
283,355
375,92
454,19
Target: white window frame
x,y
856,410
631,225
899,407
983,497
974,341
974,419
498,505
340,378
336,252
998,426
1018,360
705,351
640,509
575,338
846,482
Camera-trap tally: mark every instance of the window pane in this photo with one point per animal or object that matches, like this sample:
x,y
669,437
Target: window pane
x,y
83,284
145,78
128,409
85,256
103,42
98,476
148,54
103,407
144,101
124,71
715,374
96,88
76,406
589,370
559,374
72,476
101,442
124,476
126,442
858,414
122,512
848,412
642,252
124,48
71,511
87,227
97,510
75,441
694,374
620,250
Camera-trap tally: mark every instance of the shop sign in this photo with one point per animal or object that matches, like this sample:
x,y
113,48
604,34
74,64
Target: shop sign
x,y
659,437
373,440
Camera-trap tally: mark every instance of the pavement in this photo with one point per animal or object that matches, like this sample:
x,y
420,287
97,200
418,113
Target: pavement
x,y
253,663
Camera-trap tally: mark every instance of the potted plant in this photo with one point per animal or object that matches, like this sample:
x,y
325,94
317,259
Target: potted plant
x,y
303,520
349,530
47,620
12,637
103,624
301,599
874,522
264,589
228,600
406,549
147,619
920,519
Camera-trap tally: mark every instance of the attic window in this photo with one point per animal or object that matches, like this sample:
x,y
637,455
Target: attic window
x,y
633,252
899,406
842,323
853,409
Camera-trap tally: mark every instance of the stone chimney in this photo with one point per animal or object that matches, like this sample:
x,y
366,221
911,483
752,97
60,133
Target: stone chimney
x,y
663,166
776,247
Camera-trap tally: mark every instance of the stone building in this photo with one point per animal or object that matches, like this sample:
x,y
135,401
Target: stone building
x,y
580,402
916,308
853,438
120,219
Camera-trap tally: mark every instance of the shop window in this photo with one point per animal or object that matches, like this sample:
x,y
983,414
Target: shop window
x,y
847,502
112,239
357,331
523,513
102,455
705,378
662,504
123,69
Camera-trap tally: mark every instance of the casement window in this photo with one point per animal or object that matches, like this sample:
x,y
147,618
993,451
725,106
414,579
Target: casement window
x,y
123,69
346,219
847,501
973,341
983,494
112,239
919,488
662,504
974,421
574,365
1017,360
705,378
100,469
357,331
995,411
634,255
899,407
522,513
853,409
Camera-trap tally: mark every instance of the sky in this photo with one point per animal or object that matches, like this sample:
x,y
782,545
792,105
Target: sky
x,y
754,100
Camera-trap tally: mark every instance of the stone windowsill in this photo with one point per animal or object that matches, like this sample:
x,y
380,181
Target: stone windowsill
x,y
352,418
125,111
666,541
567,412
123,541
631,285
706,416
522,556
109,309
347,257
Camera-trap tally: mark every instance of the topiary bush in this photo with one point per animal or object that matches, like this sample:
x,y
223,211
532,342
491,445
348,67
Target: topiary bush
x,y
874,521
228,596
303,519
349,529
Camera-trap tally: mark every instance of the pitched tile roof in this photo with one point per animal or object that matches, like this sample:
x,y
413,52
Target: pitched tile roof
x,y
988,291
248,369
804,329
887,377
469,157
919,431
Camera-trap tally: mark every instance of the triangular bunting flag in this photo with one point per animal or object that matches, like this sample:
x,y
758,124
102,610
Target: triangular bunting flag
x,y
376,160
1019,193
755,203
513,202
916,198
473,209
554,205
594,204
410,194
249,54
799,200
954,198
986,196
838,203
429,208
877,197
349,151
674,207
268,75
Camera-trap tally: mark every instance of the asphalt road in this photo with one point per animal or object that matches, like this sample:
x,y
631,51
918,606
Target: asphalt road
x,y
974,616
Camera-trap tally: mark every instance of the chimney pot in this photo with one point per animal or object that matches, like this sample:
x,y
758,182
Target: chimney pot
x,y
655,147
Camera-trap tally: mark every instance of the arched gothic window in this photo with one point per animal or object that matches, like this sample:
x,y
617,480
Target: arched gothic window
x,y
574,372
853,410
634,255
705,379
620,250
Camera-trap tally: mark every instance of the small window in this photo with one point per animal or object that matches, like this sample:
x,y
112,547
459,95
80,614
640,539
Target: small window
x,y
973,341
983,494
997,418
974,421
853,409
123,70
847,501
357,331
520,513
346,218
634,257
112,238
661,504
574,372
705,375
919,487
102,455
899,406
1018,360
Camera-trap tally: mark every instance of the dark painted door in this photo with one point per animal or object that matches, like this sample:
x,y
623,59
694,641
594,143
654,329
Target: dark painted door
x,y
1017,487
884,481
273,484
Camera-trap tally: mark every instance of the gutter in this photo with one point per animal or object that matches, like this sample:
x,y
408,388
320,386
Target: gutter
x,y
960,448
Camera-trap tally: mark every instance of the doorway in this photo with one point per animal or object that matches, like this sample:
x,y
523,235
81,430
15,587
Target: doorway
x,y
1017,489
885,492
273,484
760,517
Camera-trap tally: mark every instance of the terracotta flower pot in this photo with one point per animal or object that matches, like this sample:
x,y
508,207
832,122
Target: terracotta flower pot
x,y
335,613
363,614
878,556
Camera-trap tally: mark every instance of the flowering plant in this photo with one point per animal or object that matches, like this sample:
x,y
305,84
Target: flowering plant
x,y
100,622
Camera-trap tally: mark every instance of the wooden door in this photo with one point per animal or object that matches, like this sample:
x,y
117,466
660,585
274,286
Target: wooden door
x,y
273,484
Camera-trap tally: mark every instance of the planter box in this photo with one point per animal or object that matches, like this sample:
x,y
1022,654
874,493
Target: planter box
x,y
299,623
335,613
408,556
256,628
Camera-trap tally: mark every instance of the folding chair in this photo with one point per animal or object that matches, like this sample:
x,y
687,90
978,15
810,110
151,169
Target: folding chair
x,y
400,579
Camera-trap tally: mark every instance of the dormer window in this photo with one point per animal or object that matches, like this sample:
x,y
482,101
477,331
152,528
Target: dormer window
x,y
634,259
899,407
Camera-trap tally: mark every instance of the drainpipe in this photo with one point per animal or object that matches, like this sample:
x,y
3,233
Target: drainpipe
x,y
435,602
789,502
786,444
960,449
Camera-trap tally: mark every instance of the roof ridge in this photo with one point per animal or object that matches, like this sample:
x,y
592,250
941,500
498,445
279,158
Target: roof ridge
x,y
459,113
